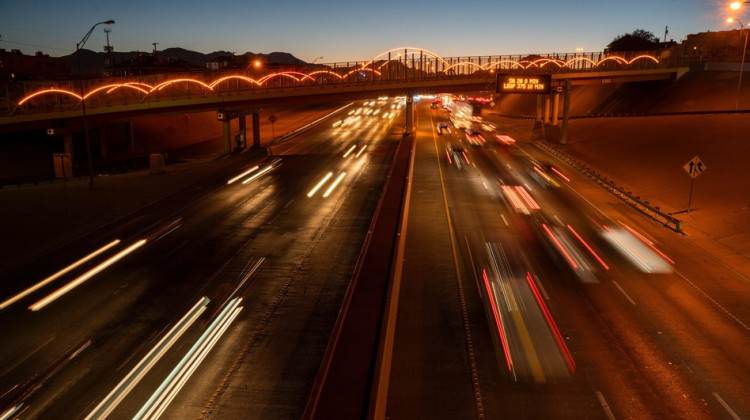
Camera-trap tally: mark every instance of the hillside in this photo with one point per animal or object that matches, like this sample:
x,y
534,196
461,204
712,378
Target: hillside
x,y
93,63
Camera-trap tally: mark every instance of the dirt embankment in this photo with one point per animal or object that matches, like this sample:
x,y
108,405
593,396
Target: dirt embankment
x,y
647,153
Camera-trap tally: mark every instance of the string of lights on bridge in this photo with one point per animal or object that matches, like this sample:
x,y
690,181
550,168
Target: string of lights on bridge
x,y
374,66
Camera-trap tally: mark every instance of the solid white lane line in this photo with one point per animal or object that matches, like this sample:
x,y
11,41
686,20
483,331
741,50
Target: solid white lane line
x,y
712,300
624,293
726,406
605,406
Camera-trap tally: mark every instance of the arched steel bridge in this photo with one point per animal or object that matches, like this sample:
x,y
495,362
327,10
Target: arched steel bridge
x,y
397,71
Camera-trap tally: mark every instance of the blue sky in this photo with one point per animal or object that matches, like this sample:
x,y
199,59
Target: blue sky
x,y
341,31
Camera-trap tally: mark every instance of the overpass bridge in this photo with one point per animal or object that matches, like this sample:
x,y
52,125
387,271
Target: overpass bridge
x,y
63,107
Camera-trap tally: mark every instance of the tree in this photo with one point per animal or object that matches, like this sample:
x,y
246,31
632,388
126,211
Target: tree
x,y
638,40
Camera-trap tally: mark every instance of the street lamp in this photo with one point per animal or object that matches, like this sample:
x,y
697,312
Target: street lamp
x,y
744,51
83,99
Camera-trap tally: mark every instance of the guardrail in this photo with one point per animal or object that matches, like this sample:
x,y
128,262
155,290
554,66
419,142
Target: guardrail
x,y
636,202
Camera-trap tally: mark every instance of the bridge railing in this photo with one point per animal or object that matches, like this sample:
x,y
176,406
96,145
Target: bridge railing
x,y
397,65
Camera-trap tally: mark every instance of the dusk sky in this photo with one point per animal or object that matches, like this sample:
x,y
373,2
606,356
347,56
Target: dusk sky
x,y
343,31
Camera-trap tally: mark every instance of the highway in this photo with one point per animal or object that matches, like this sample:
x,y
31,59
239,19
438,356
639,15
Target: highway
x,y
529,292
217,300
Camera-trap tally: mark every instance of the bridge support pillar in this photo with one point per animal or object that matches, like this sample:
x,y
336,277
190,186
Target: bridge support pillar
x,y
129,135
555,108
227,135
103,141
68,144
256,128
546,109
539,108
409,114
242,137
566,111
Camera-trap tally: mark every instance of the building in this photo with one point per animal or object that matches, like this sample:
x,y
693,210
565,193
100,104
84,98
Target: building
x,y
14,65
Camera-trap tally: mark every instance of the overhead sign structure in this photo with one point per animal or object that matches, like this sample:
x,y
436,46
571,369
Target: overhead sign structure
x,y
695,167
524,83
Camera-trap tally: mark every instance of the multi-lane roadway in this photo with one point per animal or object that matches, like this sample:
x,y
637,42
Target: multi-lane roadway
x,y
217,300
528,292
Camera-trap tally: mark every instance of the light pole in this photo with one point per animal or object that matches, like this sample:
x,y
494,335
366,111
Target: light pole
x,y
83,99
742,66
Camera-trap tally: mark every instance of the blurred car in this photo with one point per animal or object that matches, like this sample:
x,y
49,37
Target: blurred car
x,y
456,155
442,128
539,173
505,139
474,137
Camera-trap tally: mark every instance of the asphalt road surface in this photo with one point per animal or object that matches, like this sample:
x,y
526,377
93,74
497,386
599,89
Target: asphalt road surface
x,y
161,330
529,292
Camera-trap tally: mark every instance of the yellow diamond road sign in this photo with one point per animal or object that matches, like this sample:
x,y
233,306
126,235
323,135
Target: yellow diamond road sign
x,y
695,167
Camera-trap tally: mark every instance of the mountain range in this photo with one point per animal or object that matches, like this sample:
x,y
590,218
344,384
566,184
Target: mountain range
x,y
95,62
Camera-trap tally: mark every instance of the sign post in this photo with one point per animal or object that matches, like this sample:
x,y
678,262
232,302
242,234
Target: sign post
x,y
694,168
272,119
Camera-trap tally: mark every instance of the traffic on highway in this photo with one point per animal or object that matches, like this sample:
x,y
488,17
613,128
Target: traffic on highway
x,y
527,290
154,312
587,307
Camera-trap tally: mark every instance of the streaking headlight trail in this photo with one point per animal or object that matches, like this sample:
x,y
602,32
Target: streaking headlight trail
x,y
335,183
319,184
173,383
55,276
127,383
247,172
257,175
89,274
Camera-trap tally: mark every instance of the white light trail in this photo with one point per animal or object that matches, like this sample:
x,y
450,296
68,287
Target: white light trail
x,y
320,184
335,183
360,151
108,404
91,273
173,383
351,149
266,169
247,172
53,277
11,412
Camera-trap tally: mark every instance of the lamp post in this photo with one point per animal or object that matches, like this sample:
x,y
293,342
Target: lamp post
x,y
742,65
83,99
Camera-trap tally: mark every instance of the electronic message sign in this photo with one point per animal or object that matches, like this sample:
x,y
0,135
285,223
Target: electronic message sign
x,y
523,83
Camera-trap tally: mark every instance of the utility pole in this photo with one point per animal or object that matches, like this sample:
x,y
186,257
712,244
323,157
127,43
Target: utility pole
x,y
108,49
666,31
156,58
